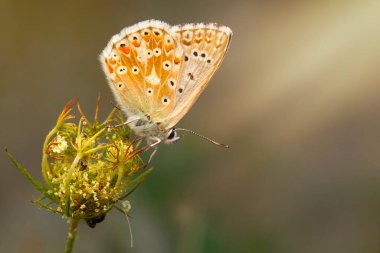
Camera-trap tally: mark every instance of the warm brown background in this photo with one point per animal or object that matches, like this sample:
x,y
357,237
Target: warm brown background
x,y
297,98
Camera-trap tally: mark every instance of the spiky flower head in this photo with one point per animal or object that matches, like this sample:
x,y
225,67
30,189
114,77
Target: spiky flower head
x,y
88,167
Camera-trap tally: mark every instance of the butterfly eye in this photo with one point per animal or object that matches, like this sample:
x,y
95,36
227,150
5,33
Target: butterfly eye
x,y
122,70
149,91
172,134
167,65
165,100
135,70
172,82
157,51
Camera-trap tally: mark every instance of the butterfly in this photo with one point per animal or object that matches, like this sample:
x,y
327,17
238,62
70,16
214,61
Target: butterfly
x,y
157,72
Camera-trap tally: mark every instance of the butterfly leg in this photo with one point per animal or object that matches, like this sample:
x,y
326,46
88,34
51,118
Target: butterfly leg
x,y
125,123
153,145
152,155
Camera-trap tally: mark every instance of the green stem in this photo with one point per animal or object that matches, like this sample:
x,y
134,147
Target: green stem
x,y
100,147
120,175
45,164
36,184
68,180
71,235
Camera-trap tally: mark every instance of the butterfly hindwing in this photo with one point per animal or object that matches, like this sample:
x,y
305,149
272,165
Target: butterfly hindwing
x,y
204,46
143,65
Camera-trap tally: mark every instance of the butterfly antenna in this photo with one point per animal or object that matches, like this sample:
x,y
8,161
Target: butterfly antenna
x,y
130,229
126,207
204,137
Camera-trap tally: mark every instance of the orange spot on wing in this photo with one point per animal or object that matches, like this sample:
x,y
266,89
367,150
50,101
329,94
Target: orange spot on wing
x,y
177,60
125,49
109,68
169,47
136,43
111,61
146,38
157,38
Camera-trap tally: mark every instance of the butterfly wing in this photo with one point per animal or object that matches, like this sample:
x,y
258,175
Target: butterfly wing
x,y
204,47
142,64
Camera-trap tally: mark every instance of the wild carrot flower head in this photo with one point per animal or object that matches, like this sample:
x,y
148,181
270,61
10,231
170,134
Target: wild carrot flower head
x,y
88,167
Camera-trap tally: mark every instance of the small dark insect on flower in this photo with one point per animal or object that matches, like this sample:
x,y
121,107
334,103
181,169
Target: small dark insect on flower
x,y
92,222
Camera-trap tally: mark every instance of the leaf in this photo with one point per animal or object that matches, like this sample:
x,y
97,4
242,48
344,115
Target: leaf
x,y
34,182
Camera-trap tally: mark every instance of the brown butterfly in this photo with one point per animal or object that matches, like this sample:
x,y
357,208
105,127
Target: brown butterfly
x,y
157,72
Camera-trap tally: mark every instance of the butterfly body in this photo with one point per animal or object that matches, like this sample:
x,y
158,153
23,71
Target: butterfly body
x,y
152,131
157,72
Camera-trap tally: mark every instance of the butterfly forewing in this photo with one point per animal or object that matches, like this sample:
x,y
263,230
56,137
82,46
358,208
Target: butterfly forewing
x,y
143,65
204,47
157,72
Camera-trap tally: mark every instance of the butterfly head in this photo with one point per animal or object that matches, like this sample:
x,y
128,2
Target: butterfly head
x,y
171,136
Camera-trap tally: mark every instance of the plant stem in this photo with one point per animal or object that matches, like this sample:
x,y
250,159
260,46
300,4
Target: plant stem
x,y
71,235
35,183
45,164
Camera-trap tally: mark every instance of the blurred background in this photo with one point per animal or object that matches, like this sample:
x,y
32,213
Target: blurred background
x,y
297,98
